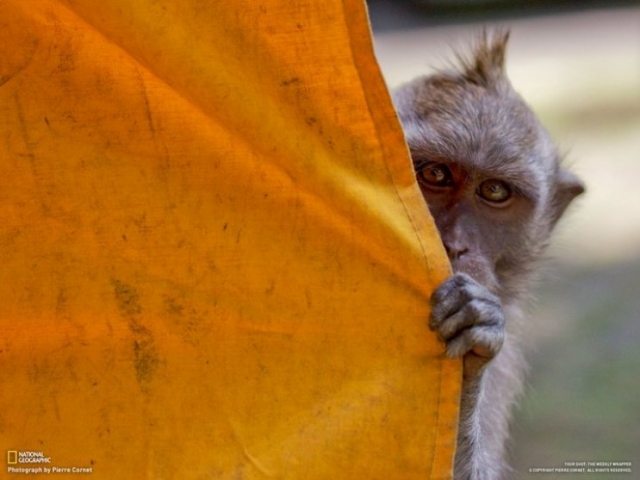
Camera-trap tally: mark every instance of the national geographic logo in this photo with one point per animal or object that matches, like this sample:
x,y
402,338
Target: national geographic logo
x,y
15,457
28,462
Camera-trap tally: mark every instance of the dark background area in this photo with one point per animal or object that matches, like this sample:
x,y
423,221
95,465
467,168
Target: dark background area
x,y
387,15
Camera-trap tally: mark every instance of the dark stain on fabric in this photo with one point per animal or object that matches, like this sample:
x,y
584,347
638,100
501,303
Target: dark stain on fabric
x,y
290,81
145,353
127,298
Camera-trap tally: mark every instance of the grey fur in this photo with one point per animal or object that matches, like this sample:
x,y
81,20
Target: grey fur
x,y
470,120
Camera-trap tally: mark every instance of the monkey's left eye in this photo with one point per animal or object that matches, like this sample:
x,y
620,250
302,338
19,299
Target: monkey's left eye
x,y
435,175
495,191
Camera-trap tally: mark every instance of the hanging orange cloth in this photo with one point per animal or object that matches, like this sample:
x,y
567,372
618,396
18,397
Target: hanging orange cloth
x,y
214,260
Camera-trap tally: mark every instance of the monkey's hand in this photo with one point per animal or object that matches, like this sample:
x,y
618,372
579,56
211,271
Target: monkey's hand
x,y
469,319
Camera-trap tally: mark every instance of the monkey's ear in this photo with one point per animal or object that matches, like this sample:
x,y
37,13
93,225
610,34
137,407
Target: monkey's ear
x,y
568,187
486,68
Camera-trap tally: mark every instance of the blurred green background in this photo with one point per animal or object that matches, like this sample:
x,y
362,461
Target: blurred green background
x,y
578,66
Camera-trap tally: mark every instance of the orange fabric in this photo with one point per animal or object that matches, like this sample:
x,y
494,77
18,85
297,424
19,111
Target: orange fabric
x,y
215,260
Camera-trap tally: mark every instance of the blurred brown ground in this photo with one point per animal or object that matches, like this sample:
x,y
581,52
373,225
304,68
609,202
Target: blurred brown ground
x,y
580,71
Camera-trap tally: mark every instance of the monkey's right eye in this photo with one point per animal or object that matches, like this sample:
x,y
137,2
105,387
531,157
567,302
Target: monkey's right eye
x,y
435,175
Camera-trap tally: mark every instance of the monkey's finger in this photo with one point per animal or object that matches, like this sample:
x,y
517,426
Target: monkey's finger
x,y
453,294
459,345
446,300
485,341
477,312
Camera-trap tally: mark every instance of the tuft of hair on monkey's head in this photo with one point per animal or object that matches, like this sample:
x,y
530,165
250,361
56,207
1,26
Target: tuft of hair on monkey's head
x,y
486,67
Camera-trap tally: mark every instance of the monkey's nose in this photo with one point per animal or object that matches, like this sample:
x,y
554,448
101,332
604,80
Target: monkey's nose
x,y
454,252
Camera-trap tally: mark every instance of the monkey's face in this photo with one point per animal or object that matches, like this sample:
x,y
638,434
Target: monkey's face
x,y
483,216
485,167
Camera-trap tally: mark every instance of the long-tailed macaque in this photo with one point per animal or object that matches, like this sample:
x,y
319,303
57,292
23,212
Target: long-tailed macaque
x,y
494,185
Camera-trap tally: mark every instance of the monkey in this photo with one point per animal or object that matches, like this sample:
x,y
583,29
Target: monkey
x,y
495,185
